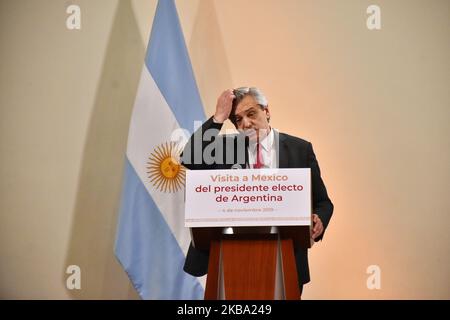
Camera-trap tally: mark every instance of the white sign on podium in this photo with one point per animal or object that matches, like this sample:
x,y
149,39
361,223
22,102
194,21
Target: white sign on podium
x,y
251,197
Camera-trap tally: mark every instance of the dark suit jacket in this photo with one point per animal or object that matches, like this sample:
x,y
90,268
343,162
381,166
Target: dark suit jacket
x,y
293,153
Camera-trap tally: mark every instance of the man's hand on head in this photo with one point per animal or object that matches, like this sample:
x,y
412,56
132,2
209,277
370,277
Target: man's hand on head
x,y
223,107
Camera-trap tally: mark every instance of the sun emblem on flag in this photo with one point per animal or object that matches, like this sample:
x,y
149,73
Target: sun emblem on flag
x,y
164,168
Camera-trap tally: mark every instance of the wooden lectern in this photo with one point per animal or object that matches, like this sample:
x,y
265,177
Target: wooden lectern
x,y
252,263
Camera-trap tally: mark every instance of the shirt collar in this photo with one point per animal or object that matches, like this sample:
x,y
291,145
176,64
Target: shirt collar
x,y
267,142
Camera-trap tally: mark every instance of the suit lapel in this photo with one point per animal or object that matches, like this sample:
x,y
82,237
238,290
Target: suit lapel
x,y
280,140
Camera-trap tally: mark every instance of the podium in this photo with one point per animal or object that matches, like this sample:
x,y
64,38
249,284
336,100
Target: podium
x,y
251,263
251,222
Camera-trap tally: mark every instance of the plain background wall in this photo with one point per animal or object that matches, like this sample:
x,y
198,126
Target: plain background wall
x,y
375,105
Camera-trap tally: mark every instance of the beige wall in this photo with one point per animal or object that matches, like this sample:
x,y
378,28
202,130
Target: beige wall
x,y
375,105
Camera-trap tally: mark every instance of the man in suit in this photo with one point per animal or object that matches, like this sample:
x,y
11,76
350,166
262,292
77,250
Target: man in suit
x,y
256,146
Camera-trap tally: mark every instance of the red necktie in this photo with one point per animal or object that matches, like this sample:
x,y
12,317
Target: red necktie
x,y
259,160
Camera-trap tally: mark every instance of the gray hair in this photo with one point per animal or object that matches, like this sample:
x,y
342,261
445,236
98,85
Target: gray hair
x,y
241,93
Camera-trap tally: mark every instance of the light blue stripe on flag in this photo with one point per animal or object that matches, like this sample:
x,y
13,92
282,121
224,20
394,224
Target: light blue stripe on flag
x,y
168,62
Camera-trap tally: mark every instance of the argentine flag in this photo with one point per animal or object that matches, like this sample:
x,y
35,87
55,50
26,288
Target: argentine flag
x,y
152,242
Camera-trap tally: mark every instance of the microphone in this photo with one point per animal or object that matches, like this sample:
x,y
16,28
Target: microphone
x,y
241,157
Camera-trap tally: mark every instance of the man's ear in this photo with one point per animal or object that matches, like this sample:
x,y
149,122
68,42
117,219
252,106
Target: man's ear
x,y
267,113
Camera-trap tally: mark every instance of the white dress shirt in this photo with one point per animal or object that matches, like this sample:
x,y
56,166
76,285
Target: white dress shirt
x,y
268,151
